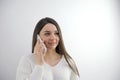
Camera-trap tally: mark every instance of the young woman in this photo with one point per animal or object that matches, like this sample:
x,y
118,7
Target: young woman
x,y
49,62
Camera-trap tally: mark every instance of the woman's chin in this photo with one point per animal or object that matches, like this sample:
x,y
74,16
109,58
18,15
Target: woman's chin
x,y
52,47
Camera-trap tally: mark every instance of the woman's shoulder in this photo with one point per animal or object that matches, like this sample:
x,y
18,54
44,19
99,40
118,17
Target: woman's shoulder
x,y
64,60
27,58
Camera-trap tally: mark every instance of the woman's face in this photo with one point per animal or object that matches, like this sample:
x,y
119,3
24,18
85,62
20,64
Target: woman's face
x,y
50,36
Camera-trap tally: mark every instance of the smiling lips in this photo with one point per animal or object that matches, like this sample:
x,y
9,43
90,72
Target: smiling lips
x,y
52,43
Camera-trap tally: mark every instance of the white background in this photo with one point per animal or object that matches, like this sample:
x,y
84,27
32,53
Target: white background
x,y
89,27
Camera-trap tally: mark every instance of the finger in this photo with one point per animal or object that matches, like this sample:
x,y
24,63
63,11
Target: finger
x,y
38,50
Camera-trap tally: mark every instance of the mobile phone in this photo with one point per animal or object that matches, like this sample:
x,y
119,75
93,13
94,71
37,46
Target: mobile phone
x,y
39,38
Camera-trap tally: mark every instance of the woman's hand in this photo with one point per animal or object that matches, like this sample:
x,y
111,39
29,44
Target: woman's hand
x,y
39,52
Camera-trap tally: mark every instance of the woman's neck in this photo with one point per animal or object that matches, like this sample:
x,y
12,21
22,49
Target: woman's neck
x,y
52,58
52,54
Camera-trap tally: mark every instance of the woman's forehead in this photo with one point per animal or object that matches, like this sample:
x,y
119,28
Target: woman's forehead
x,y
49,27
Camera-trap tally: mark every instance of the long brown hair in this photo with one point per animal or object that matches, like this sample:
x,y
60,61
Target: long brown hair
x,y
60,49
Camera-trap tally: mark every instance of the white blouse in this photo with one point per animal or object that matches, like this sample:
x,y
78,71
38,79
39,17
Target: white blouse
x,y
29,70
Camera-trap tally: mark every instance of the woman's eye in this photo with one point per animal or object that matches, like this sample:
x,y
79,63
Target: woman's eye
x,y
57,33
47,34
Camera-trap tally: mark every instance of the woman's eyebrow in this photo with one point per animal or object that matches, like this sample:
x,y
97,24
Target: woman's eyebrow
x,y
46,31
56,31
50,31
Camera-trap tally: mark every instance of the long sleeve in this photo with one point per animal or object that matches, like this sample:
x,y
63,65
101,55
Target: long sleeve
x,y
25,71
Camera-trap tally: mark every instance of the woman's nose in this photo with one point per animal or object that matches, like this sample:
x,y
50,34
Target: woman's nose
x,y
52,36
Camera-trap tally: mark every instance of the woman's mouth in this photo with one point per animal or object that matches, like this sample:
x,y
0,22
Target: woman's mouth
x,y
52,43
